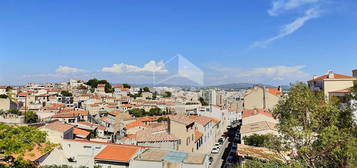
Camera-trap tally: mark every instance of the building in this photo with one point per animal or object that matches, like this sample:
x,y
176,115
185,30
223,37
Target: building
x,y
57,131
262,98
157,158
258,121
3,90
183,128
332,83
7,104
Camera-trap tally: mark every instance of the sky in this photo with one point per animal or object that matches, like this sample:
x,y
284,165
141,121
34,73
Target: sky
x,y
140,41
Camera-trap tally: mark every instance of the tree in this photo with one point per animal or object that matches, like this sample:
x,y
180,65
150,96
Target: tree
x,y
3,96
167,94
31,117
19,139
311,124
15,111
82,87
203,103
125,85
269,164
136,112
146,89
154,95
267,140
155,111
93,83
66,93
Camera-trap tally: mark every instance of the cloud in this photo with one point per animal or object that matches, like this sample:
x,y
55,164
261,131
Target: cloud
x,y
271,75
67,69
279,6
290,27
151,66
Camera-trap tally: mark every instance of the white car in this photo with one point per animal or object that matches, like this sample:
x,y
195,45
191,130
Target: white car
x,y
215,150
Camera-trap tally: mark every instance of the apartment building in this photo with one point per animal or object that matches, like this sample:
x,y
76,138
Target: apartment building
x,y
262,98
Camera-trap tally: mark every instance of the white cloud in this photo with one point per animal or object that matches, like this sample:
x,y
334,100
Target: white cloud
x,y
151,66
67,69
279,6
270,75
290,27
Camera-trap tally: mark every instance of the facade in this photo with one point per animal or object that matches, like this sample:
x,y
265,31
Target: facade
x,y
57,131
183,128
262,98
331,83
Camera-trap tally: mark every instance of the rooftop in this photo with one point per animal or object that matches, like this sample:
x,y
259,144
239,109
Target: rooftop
x,y
160,155
117,153
252,112
58,126
182,119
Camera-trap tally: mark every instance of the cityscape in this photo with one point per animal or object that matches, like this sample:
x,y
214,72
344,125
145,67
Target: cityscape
x,y
178,84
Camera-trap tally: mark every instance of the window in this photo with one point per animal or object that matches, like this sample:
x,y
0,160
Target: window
x,y
87,147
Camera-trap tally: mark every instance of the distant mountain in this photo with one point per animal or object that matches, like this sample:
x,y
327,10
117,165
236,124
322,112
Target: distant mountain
x,y
239,86
223,86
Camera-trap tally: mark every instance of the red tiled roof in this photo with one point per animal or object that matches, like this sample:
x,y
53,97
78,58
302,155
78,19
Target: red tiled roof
x,y
202,120
252,112
134,124
274,91
198,135
118,86
58,126
117,153
336,76
70,114
101,85
78,131
3,87
182,119
36,153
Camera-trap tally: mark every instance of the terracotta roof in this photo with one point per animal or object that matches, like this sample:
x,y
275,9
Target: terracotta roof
x,y
252,112
202,120
78,131
198,135
135,124
101,85
118,86
336,76
182,119
274,91
117,153
3,87
101,127
153,135
58,126
70,114
36,153
258,152
257,127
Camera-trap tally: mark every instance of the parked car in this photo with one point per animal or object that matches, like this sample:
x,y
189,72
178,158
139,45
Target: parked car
x,y
215,150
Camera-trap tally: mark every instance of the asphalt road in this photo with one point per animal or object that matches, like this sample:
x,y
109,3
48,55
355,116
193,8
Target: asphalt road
x,y
217,158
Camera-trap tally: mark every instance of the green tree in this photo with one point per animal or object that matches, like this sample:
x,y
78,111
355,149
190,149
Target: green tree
x,y
3,96
19,139
15,111
31,117
203,103
162,119
167,94
146,89
82,87
155,111
93,83
269,164
66,93
125,85
136,112
267,140
312,125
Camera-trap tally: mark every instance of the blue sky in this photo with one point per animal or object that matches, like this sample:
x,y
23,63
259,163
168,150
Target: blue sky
x,y
263,41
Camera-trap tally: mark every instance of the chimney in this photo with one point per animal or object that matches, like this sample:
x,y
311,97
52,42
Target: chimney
x,y
280,89
354,73
331,75
255,111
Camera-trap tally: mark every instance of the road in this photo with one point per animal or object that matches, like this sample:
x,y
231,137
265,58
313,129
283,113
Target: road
x,y
217,158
